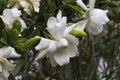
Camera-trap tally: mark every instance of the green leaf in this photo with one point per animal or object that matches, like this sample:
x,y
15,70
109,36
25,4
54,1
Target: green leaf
x,y
50,9
76,9
17,26
10,36
13,36
70,1
114,14
2,40
20,47
3,4
31,43
2,26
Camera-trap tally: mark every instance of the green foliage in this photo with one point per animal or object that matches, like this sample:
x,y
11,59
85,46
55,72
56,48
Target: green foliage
x,y
3,4
92,49
76,9
17,26
115,14
31,43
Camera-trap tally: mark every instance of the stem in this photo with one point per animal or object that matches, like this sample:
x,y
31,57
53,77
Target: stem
x,y
28,64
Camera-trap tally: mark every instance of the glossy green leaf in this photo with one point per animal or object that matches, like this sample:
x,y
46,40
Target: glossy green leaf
x,y
31,43
17,26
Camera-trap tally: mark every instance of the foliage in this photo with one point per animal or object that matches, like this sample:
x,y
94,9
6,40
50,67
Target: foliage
x,y
99,55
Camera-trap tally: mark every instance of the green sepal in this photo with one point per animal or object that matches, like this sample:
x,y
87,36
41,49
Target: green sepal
x,y
78,32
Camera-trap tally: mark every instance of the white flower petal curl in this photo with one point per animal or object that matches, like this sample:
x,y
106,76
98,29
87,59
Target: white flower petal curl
x,y
45,46
62,43
7,52
81,4
61,57
10,16
57,28
13,53
5,67
91,5
59,16
22,24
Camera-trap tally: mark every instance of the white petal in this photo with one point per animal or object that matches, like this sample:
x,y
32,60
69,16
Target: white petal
x,y
45,47
22,24
70,28
43,44
71,39
72,50
81,4
52,48
8,18
5,51
51,22
100,15
24,4
16,13
94,28
42,54
36,6
82,24
26,7
13,53
59,15
56,29
62,43
61,57
91,4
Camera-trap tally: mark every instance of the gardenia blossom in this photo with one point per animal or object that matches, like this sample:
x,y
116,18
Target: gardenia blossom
x,y
10,16
27,5
5,65
96,18
64,45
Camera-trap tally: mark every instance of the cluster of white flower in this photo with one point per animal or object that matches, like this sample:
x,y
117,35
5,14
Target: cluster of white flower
x,y
9,17
63,46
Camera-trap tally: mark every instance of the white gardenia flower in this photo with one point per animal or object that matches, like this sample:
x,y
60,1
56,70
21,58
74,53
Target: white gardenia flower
x,y
27,5
10,16
96,18
5,65
63,47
